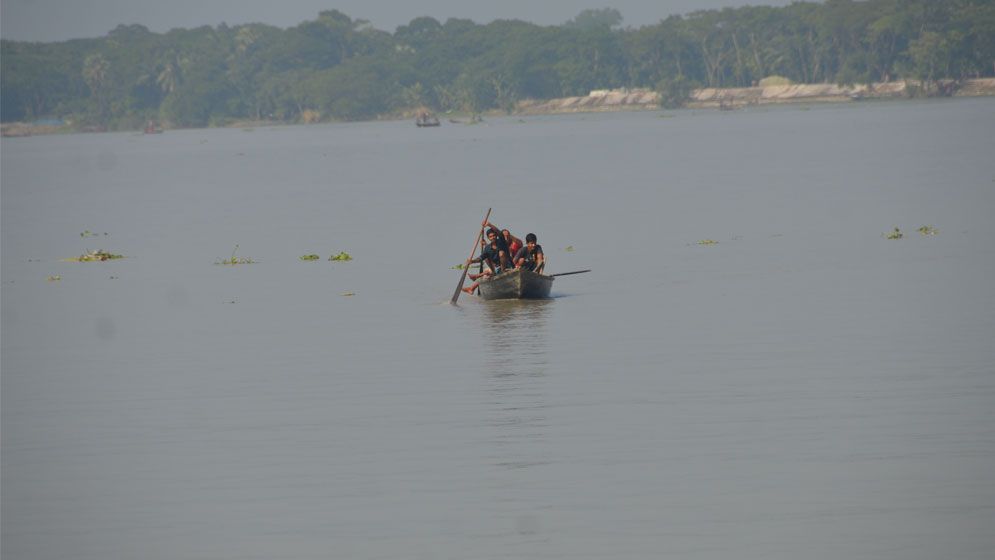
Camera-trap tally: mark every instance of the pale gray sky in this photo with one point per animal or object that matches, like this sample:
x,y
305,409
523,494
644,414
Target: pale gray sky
x,y
56,20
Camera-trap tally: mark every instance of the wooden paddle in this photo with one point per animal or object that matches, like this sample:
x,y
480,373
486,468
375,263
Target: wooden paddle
x,y
462,278
569,273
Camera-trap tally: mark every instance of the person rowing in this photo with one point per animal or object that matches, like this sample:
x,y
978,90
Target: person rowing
x,y
494,254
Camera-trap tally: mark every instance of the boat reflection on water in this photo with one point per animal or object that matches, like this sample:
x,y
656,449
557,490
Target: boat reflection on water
x,y
515,380
516,329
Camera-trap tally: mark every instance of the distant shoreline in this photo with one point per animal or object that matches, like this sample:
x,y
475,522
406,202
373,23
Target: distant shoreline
x,y
734,98
643,100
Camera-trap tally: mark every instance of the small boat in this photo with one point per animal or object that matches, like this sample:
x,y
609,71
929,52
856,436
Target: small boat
x,y
516,284
152,128
426,119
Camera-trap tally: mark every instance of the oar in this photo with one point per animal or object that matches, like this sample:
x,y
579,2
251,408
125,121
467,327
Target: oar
x,y
569,273
462,278
480,269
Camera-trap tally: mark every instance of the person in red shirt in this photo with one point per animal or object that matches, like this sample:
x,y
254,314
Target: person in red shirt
x,y
513,243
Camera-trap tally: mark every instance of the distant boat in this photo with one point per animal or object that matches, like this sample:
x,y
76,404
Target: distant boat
x,y
475,119
153,128
516,284
426,119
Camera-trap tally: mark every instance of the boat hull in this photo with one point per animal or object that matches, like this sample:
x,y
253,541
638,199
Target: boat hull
x,y
516,284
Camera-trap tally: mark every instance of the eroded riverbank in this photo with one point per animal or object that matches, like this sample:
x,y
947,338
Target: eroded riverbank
x,y
719,98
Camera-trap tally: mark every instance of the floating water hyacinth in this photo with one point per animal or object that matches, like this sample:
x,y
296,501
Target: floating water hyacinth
x,y
54,278
708,242
88,233
460,266
236,260
233,260
928,230
91,256
569,248
342,256
895,234
348,294
309,257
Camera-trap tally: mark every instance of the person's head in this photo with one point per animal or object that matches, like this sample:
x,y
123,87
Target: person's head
x,y
492,235
506,235
531,240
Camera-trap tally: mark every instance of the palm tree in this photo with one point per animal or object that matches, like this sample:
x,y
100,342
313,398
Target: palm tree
x,y
169,77
95,73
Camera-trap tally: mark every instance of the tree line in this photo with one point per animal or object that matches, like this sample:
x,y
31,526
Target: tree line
x,y
336,67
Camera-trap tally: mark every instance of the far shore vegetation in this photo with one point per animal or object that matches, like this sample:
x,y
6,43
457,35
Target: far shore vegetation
x,y
336,68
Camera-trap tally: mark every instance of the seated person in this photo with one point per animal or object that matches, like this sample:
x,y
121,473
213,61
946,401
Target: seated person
x,y
530,256
494,255
513,243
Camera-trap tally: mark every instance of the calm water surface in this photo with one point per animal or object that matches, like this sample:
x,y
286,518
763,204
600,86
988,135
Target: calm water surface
x,y
804,388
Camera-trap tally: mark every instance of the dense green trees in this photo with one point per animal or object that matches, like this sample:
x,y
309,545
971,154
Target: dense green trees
x,y
335,67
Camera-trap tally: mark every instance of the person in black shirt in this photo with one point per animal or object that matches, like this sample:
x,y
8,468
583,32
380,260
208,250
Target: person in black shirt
x,y
494,254
530,256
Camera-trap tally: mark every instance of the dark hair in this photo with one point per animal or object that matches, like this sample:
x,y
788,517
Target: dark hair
x,y
494,231
530,238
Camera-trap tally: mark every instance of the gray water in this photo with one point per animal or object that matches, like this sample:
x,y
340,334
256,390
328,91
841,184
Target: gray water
x,y
804,388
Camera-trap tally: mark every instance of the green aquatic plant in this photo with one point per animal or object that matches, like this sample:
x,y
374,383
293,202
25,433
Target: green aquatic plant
x,y
91,256
569,248
88,233
459,266
895,234
708,242
309,257
54,278
928,230
233,260
348,294
342,256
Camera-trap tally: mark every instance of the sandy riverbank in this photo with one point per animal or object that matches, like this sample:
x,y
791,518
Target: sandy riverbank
x,y
705,98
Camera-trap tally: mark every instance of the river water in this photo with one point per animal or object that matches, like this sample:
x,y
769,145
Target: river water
x,y
803,388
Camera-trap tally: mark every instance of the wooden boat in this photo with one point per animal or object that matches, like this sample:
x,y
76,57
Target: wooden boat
x,y
426,119
516,284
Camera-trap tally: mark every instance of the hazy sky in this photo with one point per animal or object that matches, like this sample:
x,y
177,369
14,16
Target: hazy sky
x,y
56,20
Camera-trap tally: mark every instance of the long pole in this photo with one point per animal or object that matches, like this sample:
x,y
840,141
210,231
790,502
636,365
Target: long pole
x,y
569,273
462,278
